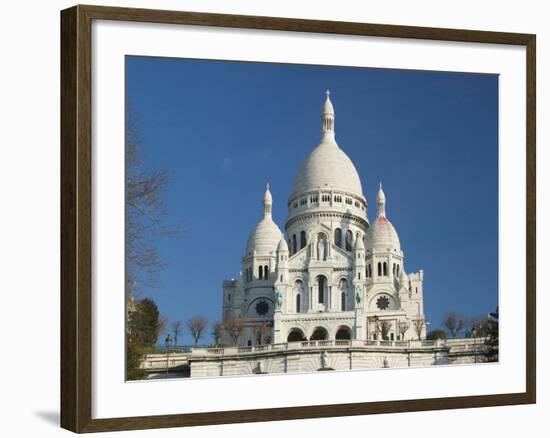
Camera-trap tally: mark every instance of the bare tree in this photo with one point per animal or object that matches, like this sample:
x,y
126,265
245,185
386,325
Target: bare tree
x,y
403,327
419,324
196,326
261,331
481,326
384,328
217,332
234,327
454,323
145,210
162,325
176,330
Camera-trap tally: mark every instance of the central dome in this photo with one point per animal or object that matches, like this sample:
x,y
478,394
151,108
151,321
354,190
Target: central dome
x,y
327,166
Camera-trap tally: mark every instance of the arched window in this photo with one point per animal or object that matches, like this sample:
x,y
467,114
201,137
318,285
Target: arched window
x,y
320,334
294,246
295,335
349,240
370,270
385,269
302,239
374,336
379,269
266,272
298,303
260,272
343,333
343,301
397,270
321,285
338,237
392,337
393,269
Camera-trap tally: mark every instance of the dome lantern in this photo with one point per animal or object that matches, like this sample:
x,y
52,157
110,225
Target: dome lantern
x,y
328,117
268,201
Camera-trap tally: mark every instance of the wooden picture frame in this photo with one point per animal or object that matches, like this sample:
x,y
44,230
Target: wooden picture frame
x,y
76,217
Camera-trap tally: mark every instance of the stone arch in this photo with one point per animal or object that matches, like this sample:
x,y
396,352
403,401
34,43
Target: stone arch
x,y
321,285
319,333
338,237
343,332
295,334
299,290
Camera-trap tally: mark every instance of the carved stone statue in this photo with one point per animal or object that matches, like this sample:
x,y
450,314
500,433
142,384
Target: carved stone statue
x,y
278,299
322,247
358,292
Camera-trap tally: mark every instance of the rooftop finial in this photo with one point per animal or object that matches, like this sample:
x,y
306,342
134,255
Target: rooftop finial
x,y
381,201
268,201
327,93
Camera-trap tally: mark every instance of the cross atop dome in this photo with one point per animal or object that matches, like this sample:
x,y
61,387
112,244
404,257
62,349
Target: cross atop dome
x,y
327,93
268,201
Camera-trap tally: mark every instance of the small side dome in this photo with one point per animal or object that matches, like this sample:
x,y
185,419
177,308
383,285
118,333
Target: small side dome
x,y
266,235
283,246
381,234
264,239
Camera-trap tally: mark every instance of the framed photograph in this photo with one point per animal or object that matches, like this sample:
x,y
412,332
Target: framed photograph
x,y
270,218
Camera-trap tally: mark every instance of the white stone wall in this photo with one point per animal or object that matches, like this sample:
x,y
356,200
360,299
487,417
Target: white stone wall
x,y
304,360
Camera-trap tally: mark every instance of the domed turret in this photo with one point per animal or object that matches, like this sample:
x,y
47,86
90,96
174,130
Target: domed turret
x,y
265,237
359,245
381,234
283,246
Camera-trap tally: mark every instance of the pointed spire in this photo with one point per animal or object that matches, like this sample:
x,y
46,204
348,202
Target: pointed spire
x,y
381,201
328,117
268,201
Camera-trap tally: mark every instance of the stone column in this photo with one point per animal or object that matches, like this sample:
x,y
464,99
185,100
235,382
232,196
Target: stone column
x,y
277,334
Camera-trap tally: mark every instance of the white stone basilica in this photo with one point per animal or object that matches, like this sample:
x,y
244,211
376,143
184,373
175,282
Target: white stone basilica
x,y
336,276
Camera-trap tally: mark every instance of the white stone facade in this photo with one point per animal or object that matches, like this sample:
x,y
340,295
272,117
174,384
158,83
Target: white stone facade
x,y
334,275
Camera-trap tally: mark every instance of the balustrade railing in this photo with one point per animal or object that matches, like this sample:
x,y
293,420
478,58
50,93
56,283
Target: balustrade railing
x,y
328,343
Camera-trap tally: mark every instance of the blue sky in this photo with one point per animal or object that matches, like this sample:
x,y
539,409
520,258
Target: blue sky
x,y
223,129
